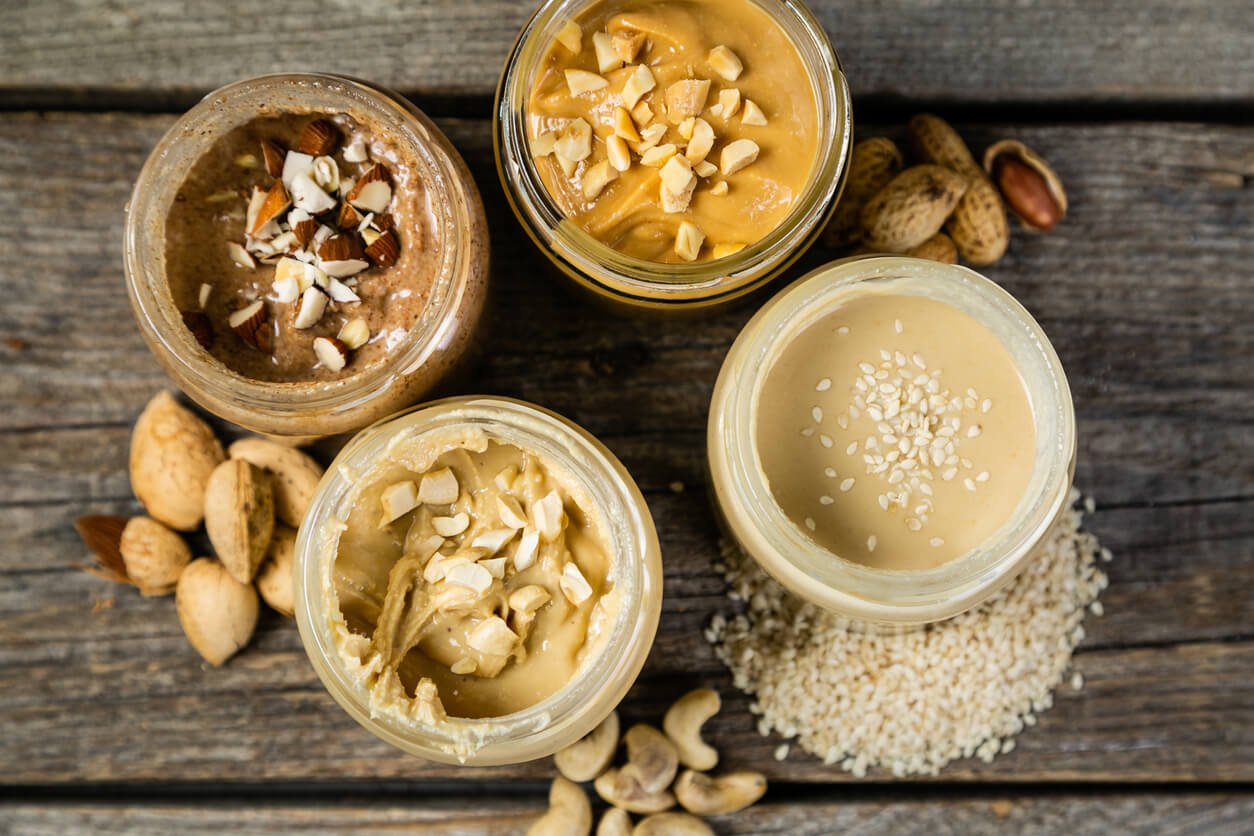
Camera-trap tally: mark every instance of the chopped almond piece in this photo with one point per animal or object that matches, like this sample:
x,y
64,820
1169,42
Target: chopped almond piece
x,y
332,353
688,241
273,156
574,143
656,157
371,192
582,81
639,83
275,203
719,189
618,153
725,62
753,114
701,142
642,113
339,248
249,323
348,217
318,138
596,178
686,98
624,126
289,268
607,58
309,196
736,155
571,37
729,99
356,152
626,44
384,250
312,304
568,166
240,256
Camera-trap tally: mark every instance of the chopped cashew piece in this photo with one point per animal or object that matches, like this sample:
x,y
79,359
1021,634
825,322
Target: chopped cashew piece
x,y
702,141
618,153
492,636
582,81
495,566
450,526
658,155
686,98
463,667
571,37
505,479
493,541
588,757
725,62
686,126
510,512
650,137
624,125
397,501
688,241
570,812
737,155
597,177
640,82
470,575
574,143
753,115
729,99
574,586
528,546
546,516
527,601
607,58
438,488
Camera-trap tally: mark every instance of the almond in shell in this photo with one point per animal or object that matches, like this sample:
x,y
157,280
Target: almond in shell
x,y
911,208
173,453
874,162
274,578
239,516
295,475
218,613
154,555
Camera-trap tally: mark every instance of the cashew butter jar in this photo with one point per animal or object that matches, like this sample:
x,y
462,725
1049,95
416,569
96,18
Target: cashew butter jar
x,y
890,438
672,154
305,254
478,581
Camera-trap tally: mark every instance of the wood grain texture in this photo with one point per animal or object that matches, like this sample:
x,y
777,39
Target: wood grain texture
x,y
1130,50
1144,290
1078,815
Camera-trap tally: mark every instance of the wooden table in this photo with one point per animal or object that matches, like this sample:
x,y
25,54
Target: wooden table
x,y
109,721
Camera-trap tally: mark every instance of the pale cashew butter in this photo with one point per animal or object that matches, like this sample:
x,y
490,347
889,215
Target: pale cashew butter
x,y
473,578
674,130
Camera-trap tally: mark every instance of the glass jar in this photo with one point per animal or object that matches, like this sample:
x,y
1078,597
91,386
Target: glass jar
x,y
602,680
635,283
757,523
433,346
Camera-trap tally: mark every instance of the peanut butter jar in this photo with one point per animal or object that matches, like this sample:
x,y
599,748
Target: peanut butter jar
x,y
672,155
890,438
478,581
305,254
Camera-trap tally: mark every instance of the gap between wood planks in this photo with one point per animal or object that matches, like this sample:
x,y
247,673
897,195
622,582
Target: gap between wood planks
x,y
877,109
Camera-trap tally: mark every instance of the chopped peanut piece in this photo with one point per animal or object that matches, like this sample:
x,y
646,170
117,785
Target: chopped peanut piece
x,y
544,144
725,62
688,241
582,81
642,113
686,98
607,58
574,143
686,126
724,250
624,126
650,137
640,82
626,44
701,142
678,184
596,178
730,101
719,189
656,157
571,37
736,155
618,153
753,115
705,168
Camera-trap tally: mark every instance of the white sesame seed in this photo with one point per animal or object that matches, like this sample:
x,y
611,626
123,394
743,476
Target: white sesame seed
x,y
842,330
1097,609
898,326
917,359
807,432
949,474
829,472
986,405
823,385
1077,681
936,542
968,484
913,524
870,543
817,414
974,431
852,448
810,524
846,485
866,368
983,477
826,441
883,500
825,500
781,752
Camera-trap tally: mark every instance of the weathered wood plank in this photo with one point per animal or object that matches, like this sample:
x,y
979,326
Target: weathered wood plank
x,y
1081,815
983,52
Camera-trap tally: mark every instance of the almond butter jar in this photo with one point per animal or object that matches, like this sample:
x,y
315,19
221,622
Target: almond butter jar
x,y
305,254
478,581
891,438
672,155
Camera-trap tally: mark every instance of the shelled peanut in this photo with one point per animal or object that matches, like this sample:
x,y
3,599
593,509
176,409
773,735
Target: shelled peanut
x,y
183,477
946,206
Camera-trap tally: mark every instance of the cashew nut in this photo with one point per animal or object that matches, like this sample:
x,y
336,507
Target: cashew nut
x,y
683,724
707,796
651,758
615,822
587,758
570,813
672,824
618,787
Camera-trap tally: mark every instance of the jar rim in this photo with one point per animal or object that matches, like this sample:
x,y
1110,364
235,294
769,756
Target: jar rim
x,y
639,281
759,524
277,405
602,679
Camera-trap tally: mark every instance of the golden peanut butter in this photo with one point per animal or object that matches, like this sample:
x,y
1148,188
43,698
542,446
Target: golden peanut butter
x,y
482,599
674,130
897,431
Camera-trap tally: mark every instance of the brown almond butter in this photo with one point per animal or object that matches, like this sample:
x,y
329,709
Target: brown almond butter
x,y
911,208
173,453
873,163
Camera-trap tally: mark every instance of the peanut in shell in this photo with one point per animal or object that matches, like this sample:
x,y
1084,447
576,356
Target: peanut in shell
x,y
911,208
873,164
934,140
978,224
940,247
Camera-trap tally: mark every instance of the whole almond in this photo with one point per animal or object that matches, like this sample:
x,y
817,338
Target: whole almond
x,y
218,613
239,516
911,208
874,162
274,578
154,555
978,224
940,247
296,475
172,454
934,141
1028,184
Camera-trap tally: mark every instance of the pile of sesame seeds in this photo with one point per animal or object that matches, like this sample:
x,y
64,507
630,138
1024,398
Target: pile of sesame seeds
x,y
912,702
